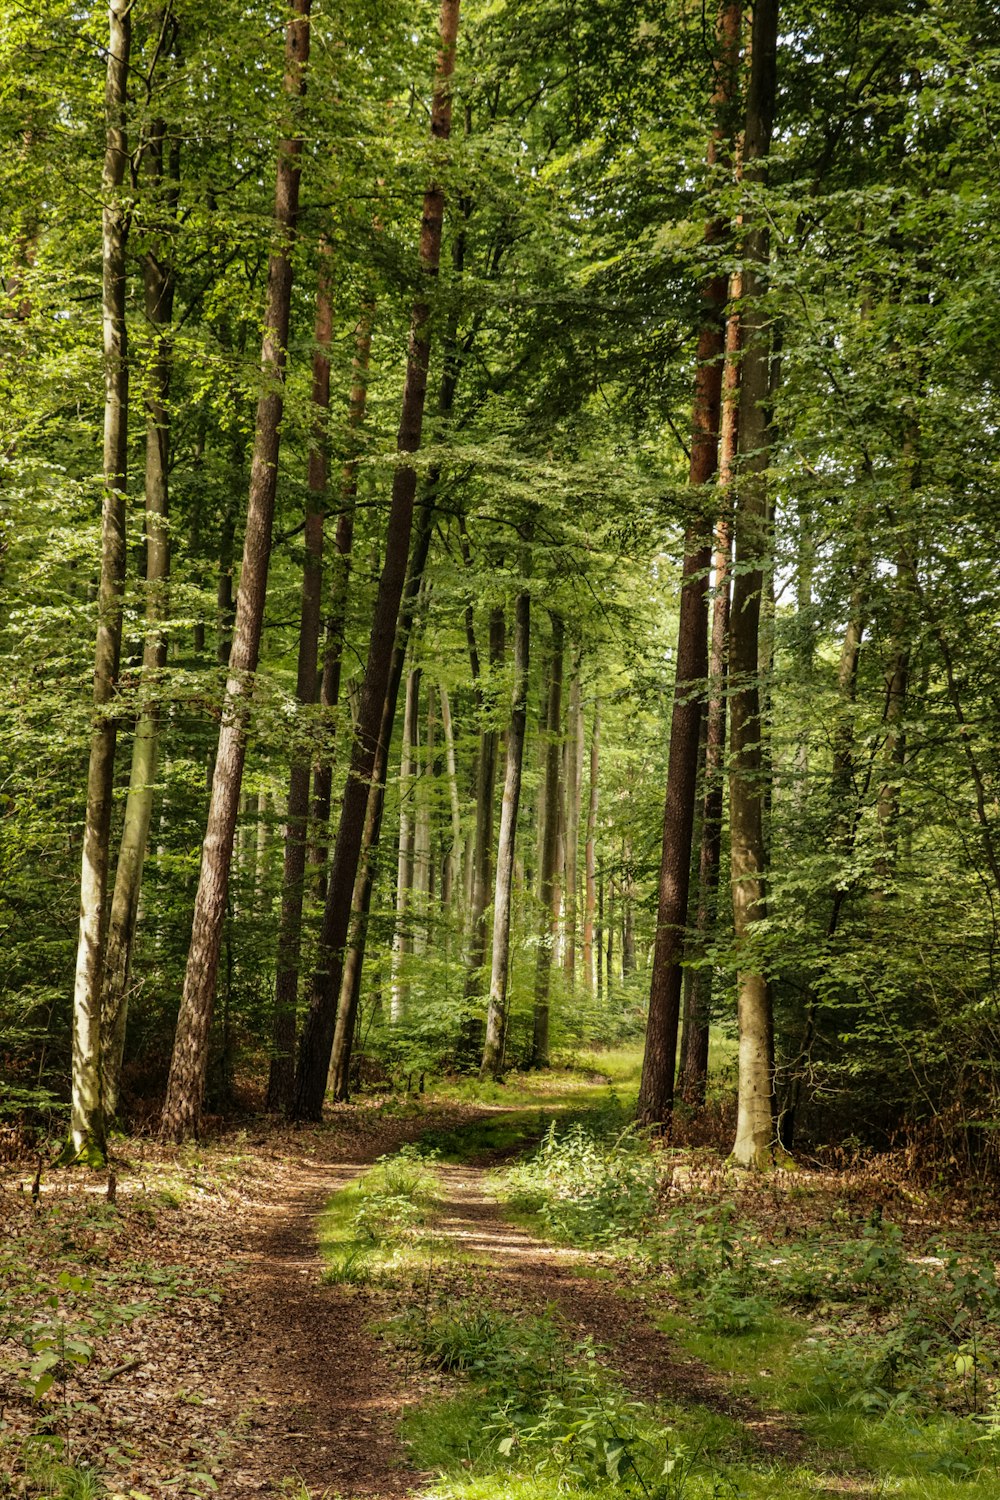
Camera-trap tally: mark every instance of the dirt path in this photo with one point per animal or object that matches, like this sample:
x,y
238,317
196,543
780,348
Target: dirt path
x,y
323,1402
323,1397
537,1275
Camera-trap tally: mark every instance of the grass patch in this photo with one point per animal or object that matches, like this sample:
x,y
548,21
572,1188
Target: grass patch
x,y
377,1226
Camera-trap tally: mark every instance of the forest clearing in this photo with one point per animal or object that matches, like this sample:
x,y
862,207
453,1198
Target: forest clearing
x,y
499,749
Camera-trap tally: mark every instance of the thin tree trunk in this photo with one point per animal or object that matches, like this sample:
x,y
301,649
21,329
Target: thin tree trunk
x,y
185,1088
755,1121
453,863
590,861
318,1038
281,1078
486,768
350,989
158,279
697,1014
548,912
402,937
656,1090
574,787
329,691
87,1122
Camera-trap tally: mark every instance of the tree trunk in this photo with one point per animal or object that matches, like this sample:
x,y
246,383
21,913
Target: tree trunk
x,y
317,1041
574,787
281,1077
492,1063
656,1090
185,1088
482,858
87,1122
350,989
697,1014
329,691
158,280
755,1122
590,858
452,878
402,944
548,912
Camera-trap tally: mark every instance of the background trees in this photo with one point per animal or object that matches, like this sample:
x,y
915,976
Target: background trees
x,y
564,326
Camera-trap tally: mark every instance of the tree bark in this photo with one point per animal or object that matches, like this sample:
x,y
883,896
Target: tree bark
x,y
590,862
87,1121
402,944
698,1011
333,653
656,1090
350,988
185,1088
548,911
453,864
492,1063
482,858
755,1120
318,1037
158,281
574,789
281,1077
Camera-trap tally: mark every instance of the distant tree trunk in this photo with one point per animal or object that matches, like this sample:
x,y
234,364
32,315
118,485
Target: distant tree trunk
x,y
318,1037
590,857
574,785
548,911
627,892
87,1122
486,768
453,864
897,684
158,280
329,691
281,1077
423,878
599,933
492,1062
656,1090
401,942
185,1088
755,1122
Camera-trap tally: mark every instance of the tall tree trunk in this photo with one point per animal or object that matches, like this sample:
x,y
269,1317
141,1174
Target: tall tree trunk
x,y
548,911
697,1014
492,1062
158,281
281,1077
329,690
453,864
486,769
87,1122
656,1090
590,860
317,1041
755,1121
350,988
402,944
574,786
185,1088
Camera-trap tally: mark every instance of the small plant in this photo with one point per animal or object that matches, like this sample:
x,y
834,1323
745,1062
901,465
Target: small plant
x,y
353,1268
586,1189
395,1196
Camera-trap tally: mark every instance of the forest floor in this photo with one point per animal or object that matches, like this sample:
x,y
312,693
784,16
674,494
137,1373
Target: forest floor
x,y
413,1300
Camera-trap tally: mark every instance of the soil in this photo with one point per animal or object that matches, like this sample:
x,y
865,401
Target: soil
x,y
326,1395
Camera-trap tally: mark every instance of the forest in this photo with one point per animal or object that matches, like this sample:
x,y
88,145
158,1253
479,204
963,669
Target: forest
x,y
500,724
